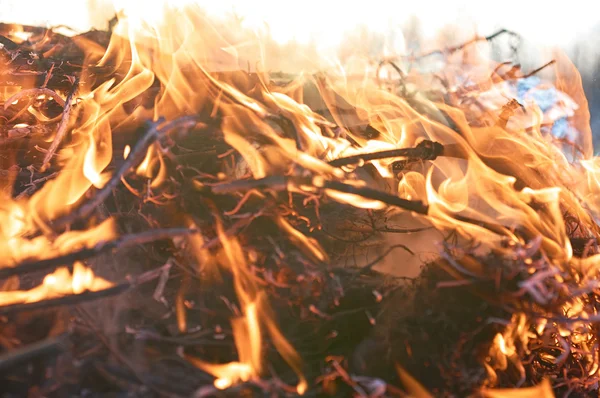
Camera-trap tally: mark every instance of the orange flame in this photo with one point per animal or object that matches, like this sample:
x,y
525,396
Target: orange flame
x,y
248,341
248,329
17,247
504,346
60,283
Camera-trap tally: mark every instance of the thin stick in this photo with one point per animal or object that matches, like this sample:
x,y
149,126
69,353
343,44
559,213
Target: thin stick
x,y
533,72
281,183
85,296
369,193
390,249
21,133
403,230
34,92
66,300
47,347
277,183
62,127
89,252
463,45
32,187
425,150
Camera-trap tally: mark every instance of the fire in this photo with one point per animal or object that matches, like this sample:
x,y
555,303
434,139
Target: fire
x,y
60,283
501,179
89,171
17,247
248,329
248,342
504,351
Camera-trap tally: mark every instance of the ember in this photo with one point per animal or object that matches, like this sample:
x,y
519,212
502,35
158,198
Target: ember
x,y
192,228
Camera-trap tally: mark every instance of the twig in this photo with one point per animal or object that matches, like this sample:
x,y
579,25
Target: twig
x,y
507,112
463,45
281,183
277,183
47,347
66,300
48,76
533,72
32,187
373,263
62,127
425,150
456,265
89,252
369,193
133,160
402,80
402,230
8,45
16,134
34,92
86,296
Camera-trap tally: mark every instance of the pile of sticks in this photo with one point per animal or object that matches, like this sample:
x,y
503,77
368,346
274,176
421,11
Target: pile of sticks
x,y
350,325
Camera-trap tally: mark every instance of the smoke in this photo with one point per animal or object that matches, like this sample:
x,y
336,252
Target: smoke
x,y
328,24
376,27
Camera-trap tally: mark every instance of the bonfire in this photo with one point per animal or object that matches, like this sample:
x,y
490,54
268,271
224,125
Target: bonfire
x,y
175,224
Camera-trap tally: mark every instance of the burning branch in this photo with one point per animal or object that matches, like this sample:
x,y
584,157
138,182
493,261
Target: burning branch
x,y
425,150
282,183
537,70
66,300
86,253
77,298
369,193
135,158
62,126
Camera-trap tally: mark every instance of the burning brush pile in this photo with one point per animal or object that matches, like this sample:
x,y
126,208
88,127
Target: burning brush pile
x,y
173,225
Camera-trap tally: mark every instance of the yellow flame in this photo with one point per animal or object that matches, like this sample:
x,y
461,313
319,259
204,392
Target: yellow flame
x,y
18,248
250,327
89,171
126,151
60,283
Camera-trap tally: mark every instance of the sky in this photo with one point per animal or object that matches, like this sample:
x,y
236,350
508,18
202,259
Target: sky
x,y
542,23
547,21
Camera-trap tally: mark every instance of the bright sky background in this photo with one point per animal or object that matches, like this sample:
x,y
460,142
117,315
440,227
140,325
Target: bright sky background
x,y
547,22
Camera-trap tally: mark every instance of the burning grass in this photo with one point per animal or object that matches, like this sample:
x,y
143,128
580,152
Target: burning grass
x,y
172,230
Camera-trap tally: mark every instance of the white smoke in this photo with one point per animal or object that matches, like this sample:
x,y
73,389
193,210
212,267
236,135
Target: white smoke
x,y
543,23
376,26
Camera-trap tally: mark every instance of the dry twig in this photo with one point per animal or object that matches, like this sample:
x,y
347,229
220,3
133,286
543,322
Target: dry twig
x,y
425,150
62,127
86,296
50,346
89,252
135,158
